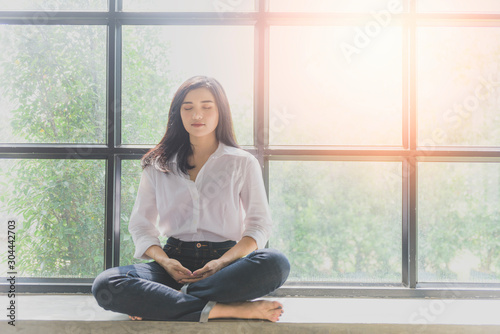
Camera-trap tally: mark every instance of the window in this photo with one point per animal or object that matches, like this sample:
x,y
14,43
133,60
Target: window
x,y
54,84
338,221
53,6
376,124
458,222
189,6
458,86
165,56
60,208
321,94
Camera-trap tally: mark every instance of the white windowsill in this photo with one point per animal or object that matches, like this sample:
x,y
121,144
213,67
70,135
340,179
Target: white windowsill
x,y
421,314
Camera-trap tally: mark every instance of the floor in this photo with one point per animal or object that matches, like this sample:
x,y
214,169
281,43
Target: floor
x,y
80,314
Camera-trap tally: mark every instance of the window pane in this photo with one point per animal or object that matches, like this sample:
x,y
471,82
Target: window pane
x,y
336,6
156,60
460,6
54,5
53,84
338,221
458,86
189,6
458,222
131,176
335,86
59,205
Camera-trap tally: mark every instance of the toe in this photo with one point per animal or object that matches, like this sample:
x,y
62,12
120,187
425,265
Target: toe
x,y
277,305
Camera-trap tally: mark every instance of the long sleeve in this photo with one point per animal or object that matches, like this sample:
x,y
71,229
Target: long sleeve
x,y
142,224
257,221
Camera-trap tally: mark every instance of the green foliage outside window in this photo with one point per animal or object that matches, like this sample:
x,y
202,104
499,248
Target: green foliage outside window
x,y
336,221
56,77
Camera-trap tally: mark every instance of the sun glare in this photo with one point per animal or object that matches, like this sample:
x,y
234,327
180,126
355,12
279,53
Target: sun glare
x,y
339,85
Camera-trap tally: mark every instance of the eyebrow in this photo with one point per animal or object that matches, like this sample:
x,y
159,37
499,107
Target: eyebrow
x,y
206,101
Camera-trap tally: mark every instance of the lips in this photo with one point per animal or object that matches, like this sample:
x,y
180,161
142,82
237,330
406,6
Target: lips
x,y
197,125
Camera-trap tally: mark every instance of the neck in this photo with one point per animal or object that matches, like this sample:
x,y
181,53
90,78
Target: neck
x,y
204,146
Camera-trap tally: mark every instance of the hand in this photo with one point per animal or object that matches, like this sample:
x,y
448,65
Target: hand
x,y
208,270
178,272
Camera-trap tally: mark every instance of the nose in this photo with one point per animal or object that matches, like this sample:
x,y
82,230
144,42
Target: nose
x,y
197,114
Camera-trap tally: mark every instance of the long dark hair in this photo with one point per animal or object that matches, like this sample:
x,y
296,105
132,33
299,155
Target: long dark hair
x,y
176,138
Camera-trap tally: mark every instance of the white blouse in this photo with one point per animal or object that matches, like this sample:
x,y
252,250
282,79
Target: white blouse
x,y
227,201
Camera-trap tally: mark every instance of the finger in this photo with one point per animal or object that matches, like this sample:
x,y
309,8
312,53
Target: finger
x,y
205,270
184,271
201,272
181,275
192,277
188,279
178,268
191,280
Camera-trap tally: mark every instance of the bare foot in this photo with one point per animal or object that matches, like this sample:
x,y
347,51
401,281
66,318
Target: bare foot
x,y
260,309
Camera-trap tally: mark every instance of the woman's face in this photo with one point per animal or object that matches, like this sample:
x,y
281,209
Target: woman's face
x,y
199,113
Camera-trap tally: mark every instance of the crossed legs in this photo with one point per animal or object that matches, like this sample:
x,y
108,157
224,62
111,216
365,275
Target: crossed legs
x,y
147,291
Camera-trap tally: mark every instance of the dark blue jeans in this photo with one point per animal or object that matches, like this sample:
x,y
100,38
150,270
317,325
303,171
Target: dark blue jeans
x,y
146,290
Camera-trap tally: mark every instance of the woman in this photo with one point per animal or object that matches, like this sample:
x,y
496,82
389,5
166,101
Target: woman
x,y
207,194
